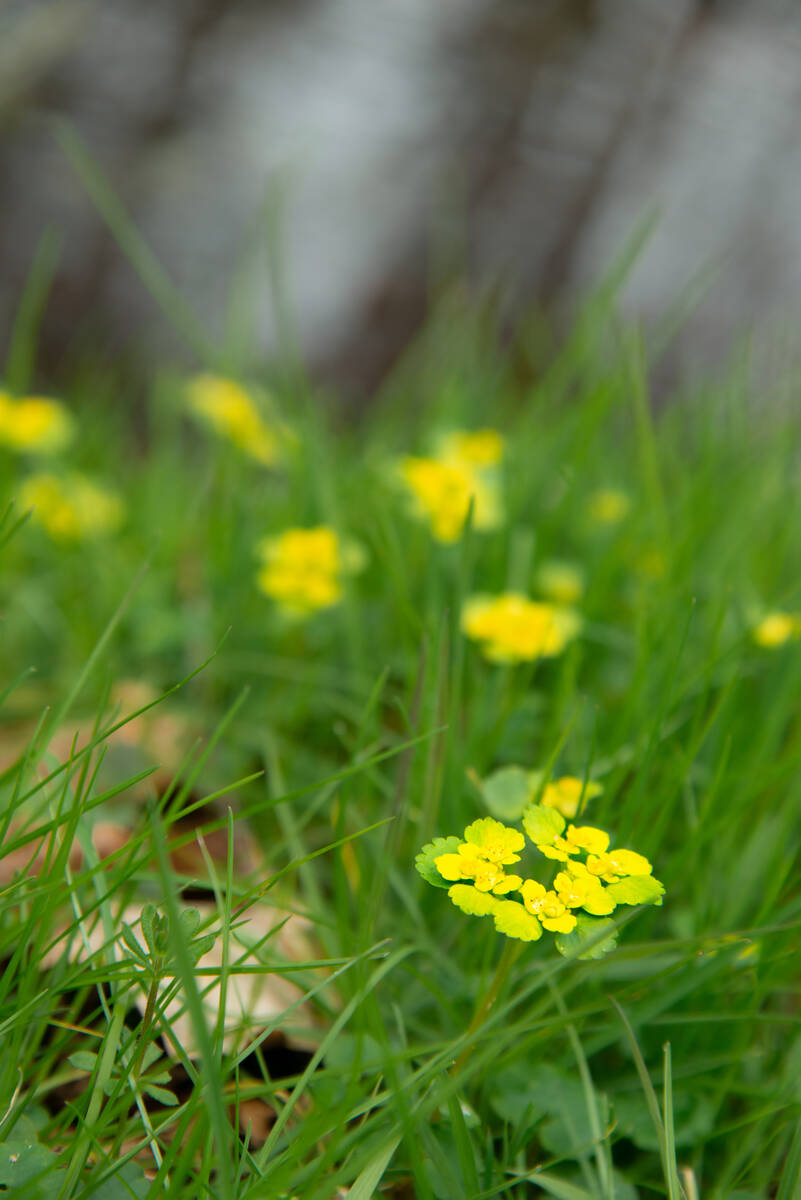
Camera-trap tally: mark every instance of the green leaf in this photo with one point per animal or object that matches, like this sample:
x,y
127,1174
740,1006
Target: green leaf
x,y
593,937
369,1178
424,862
636,889
506,792
190,921
559,1187
131,941
160,1094
83,1060
150,1056
151,927
201,946
22,1161
543,824
127,1183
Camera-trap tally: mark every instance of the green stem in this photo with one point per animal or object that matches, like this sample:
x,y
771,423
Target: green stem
x,y
147,1021
505,963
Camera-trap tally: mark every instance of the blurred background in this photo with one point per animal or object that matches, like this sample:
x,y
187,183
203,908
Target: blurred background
x,y
332,166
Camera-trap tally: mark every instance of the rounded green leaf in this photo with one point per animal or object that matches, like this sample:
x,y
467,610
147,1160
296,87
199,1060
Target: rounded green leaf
x,y
470,900
636,889
424,862
506,792
543,824
593,937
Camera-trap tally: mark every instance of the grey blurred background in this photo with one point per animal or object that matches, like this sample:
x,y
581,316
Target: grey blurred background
x,y
517,144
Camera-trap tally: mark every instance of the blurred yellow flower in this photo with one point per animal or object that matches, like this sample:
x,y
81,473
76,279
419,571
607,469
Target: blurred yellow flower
x,y
230,411
564,794
303,568
443,490
511,628
607,506
776,628
562,582
476,447
34,424
71,507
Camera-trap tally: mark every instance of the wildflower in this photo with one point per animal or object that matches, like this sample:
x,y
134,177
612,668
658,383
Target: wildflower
x,y
34,424
617,863
608,506
545,827
494,841
548,907
511,628
565,794
230,411
576,888
443,491
561,582
476,447
516,921
776,628
575,908
488,846
470,900
303,569
72,507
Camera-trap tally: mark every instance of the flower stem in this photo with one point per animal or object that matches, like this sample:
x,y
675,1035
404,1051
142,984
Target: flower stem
x,y
505,963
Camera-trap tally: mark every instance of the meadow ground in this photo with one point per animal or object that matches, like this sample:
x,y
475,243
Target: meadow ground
x,y
224,746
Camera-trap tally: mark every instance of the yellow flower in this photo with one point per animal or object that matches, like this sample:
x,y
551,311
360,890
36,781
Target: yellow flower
x,y
303,568
72,507
486,876
546,826
616,864
776,628
576,888
476,447
565,794
561,582
494,841
511,628
607,506
442,493
474,868
547,907
488,847
587,837
230,411
34,425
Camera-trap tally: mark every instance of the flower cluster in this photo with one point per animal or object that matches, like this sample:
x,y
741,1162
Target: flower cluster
x,y
34,424
443,488
231,412
511,628
303,569
592,880
71,507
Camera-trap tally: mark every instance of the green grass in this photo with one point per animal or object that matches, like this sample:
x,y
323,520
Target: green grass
x,y
338,745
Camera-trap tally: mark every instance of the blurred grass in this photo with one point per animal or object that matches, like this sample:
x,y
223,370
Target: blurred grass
x,y
669,1068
